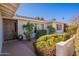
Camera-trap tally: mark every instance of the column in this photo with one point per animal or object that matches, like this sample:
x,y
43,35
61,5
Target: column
x,y
1,32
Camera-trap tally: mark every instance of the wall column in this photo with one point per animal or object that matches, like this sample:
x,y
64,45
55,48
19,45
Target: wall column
x,y
1,32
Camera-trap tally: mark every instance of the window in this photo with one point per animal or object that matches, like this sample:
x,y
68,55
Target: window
x,y
59,27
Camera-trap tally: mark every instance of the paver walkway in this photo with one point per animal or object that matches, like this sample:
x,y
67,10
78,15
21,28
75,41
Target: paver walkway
x,y
18,48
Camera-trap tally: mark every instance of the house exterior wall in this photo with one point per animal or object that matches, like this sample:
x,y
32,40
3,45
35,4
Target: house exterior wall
x,y
55,26
39,26
62,29
20,29
22,22
45,26
1,32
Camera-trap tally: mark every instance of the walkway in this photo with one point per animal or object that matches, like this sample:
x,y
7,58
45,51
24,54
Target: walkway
x,y
18,48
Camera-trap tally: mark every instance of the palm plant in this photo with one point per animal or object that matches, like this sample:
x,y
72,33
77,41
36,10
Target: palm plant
x,y
28,27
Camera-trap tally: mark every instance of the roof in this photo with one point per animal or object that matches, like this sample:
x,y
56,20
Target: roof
x,y
8,9
23,18
33,19
55,22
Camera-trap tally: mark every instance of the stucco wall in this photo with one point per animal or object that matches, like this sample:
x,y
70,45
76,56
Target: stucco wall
x,y
20,29
1,32
55,26
39,26
22,22
65,48
45,26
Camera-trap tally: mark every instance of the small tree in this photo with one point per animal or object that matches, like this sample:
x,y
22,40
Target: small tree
x,y
51,29
28,27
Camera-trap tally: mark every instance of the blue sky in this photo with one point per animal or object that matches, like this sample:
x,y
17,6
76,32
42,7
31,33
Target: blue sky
x,y
49,10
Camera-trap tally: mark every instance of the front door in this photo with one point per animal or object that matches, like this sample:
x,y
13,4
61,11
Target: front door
x,y
9,27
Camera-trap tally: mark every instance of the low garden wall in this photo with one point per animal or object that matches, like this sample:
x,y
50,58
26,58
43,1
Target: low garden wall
x,y
66,48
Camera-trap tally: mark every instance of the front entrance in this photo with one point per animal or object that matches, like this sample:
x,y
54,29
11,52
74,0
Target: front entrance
x,y
9,28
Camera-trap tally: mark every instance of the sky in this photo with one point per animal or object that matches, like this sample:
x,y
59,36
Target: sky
x,y
49,10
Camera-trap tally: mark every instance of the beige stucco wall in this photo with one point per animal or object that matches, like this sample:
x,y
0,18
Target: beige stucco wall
x,y
1,32
20,29
45,26
55,26
39,26
22,22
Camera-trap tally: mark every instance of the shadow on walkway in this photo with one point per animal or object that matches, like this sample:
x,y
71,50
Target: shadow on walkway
x,y
18,48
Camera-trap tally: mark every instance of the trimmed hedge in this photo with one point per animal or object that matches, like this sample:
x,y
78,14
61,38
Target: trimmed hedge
x,y
40,33
45,45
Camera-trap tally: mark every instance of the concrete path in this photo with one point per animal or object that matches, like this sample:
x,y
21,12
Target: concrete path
x,y
18,48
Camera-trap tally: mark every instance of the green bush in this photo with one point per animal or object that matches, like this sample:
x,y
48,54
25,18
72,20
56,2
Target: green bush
x,y
26,34
44,38
28,30
51,42
40,33
71,29
51,29
48,42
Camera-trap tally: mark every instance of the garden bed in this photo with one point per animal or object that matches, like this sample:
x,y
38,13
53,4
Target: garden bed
x,y
46,45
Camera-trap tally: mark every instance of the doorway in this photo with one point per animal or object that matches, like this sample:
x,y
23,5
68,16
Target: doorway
x,y
9,29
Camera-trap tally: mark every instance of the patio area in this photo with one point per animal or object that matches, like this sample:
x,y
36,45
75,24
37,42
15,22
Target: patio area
x,y
18,48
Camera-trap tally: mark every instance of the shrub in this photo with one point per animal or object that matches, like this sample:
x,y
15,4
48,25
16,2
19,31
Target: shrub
x,y
26,34
61,37
44,38
45,45
51,29
66,36
51,42
71,29
28,28
40,33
